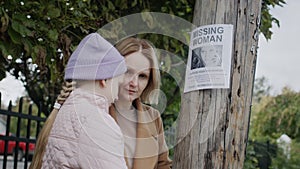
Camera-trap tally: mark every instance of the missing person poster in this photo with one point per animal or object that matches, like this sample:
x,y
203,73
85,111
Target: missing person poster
x,y
209,59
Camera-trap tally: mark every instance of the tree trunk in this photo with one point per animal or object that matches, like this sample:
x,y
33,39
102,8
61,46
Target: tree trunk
x,y
213,124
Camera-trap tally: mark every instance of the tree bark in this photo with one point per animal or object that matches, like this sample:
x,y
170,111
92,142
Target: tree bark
x,y
213,124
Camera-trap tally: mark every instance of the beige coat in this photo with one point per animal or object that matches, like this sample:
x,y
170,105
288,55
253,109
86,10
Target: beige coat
x,y
151,151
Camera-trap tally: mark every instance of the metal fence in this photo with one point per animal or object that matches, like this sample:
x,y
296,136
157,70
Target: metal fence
x,y
11,137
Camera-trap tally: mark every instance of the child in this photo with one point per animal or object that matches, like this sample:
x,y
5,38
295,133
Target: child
x,y
83,134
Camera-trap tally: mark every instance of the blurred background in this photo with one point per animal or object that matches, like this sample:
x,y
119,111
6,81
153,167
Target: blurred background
x,y
274,136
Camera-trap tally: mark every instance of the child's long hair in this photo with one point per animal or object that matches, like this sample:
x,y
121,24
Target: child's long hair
x,y
42,141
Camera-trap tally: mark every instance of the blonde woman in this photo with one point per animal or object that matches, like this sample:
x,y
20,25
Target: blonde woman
x,y
142,126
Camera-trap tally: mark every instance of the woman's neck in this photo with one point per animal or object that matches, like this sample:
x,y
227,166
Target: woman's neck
x,y
123,105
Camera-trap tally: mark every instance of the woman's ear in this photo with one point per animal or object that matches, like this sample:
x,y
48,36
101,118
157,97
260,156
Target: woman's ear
x,y
102,83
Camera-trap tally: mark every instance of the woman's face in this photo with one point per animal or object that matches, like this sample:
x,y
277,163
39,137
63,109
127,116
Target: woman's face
x,y
210,56
136,78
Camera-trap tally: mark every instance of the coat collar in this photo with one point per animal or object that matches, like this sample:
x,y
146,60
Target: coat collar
x,y
146,143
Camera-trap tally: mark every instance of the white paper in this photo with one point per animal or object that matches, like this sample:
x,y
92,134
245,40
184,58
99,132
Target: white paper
x,y
209,59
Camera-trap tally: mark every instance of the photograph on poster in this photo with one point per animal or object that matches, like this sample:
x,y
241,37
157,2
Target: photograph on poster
x,y
207,56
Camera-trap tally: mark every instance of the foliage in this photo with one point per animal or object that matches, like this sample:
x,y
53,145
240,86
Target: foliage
x,y
283,161
261,89
38,36
271,117
259,154
267,18
277,115
251,160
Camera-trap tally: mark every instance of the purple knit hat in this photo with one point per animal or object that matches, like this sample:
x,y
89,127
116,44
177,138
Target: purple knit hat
x,y
95,59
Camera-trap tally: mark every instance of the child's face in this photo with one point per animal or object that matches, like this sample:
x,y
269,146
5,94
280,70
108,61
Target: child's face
x,y
114,85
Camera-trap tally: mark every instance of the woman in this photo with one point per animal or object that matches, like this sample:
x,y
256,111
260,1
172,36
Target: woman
x,y
142,127
211,55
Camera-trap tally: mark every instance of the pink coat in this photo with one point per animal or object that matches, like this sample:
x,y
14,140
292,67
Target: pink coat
x,y
84,135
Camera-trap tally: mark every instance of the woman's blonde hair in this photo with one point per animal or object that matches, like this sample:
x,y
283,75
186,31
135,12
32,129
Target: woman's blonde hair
x,y
131,45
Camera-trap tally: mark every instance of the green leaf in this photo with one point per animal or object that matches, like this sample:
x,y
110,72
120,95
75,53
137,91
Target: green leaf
x,y
15,37
3,49
134,3
27,47
146,16
36,52
53,12
111,6
121,4
29,23
53,35
168,62
4,22
42,26
19,17
90,14
20,28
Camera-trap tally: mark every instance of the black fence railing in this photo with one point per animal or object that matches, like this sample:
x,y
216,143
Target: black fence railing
x,y
18,132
